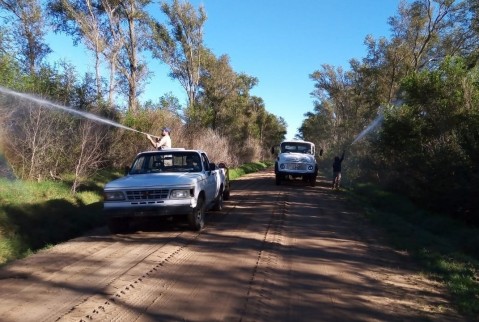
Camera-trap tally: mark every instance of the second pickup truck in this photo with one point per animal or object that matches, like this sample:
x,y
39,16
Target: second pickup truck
x,y
172,182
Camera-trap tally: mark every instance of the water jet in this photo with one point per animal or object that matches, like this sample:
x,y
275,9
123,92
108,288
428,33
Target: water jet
x,y
46,103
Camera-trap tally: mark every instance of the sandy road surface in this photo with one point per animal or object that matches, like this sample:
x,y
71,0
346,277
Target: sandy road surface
x,y
275,253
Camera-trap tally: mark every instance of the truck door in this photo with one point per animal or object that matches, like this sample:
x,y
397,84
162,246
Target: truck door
x,y
210,189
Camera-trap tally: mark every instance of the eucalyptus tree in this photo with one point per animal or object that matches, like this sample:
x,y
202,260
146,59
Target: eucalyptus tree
x,y
132,27
430,145
420,26
334,85
180,47
25,21
113,29
81,19
218,84
318,126
274,131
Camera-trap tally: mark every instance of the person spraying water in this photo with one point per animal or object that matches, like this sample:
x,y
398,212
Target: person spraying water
x,y
164,142
337,171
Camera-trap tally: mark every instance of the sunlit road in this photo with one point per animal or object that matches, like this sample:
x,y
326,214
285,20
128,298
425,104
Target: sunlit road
x,y
275,253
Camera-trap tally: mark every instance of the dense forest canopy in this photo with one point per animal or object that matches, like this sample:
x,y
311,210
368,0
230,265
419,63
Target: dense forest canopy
x,y
418,87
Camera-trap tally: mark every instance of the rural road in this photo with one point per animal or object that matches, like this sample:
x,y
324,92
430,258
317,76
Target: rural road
x,y
275,253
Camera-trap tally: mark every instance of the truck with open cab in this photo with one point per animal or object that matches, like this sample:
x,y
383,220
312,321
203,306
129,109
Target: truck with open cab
x,y
164,183
296,159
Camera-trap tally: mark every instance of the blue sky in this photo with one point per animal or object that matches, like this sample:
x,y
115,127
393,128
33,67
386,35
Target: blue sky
x,y
281,42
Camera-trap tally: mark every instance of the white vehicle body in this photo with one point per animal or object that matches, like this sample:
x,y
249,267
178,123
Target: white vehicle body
x,y
169,182
296,158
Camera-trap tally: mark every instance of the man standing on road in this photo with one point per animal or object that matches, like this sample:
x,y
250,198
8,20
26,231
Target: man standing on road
x,y
164,142
337,171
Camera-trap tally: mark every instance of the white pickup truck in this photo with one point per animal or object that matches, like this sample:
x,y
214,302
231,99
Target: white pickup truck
x,y
171,182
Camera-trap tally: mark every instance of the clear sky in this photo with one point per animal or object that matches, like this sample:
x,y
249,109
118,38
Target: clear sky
x,y
280,42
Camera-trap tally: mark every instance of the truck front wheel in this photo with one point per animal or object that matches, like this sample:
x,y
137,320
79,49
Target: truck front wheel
x,y
196,218
278,179
118,225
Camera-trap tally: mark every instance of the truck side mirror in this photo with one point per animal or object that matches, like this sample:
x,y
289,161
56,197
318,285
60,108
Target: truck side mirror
x,y
212,166
127,170
272,150
321,152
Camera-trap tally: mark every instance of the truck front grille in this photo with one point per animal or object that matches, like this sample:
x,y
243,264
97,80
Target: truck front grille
x,y
296,166
147,194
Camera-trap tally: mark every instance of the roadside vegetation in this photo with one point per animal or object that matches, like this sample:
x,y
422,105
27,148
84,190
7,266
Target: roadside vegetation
x,y
446,249
406,114
37,215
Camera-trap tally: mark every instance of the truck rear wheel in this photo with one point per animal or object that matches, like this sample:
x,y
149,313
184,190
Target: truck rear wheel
x,y
196,218
218,206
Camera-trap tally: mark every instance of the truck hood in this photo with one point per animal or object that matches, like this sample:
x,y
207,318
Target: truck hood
x,y
151,180
296,157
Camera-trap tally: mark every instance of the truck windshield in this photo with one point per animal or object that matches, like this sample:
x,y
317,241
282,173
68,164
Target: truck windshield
x,y
296,147
166,162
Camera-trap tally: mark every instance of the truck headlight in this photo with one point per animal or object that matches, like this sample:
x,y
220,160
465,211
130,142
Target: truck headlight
x,y
310,167
180,194
113,195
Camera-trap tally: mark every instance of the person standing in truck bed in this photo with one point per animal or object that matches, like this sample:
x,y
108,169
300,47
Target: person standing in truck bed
x,y
164,142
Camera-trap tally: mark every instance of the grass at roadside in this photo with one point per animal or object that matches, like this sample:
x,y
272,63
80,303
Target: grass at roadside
x,y
35,215
446,249
248,168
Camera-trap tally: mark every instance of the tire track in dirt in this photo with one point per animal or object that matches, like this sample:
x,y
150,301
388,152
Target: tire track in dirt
x,y
136,295
275,253
259,290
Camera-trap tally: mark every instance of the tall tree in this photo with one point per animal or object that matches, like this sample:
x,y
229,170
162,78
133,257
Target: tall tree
x,y
180,48
115,29
419,26
218,85
81,19
132,28
27,25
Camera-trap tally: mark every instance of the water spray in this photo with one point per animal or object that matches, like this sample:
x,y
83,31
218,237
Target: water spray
x,y
378,120
90,116
371,126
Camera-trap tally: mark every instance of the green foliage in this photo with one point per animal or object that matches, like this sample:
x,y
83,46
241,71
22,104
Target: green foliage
x,y
429,145
445,248
34,215
248,168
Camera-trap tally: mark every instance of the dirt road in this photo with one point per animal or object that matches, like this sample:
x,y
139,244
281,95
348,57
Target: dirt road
x,y
275,253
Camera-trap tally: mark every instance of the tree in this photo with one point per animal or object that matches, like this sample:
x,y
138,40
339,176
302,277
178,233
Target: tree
x,y
133,30
89,152
113,29
27,26
180,48
423,27
218,85
431,144
81,20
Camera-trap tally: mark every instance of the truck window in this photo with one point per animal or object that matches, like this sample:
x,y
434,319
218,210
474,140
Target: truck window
x,y
205,161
